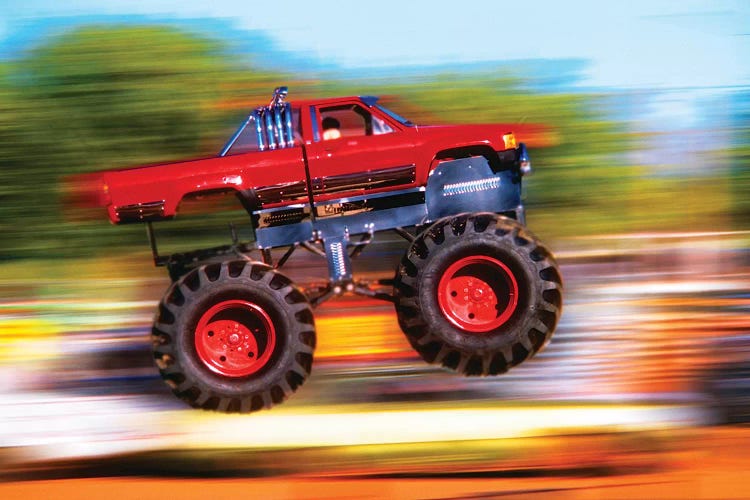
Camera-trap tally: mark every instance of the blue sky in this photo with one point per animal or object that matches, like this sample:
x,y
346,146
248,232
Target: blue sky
x,y
628,44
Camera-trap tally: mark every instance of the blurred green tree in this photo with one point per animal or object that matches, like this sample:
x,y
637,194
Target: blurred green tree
x,y
97,98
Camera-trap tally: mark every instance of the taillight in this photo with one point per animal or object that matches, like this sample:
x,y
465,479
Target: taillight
x,y
509,140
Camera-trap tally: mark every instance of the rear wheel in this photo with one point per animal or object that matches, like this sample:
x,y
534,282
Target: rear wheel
x,y
478,293
234,337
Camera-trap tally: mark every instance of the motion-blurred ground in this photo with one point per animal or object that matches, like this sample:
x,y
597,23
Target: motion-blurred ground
x,y
647,362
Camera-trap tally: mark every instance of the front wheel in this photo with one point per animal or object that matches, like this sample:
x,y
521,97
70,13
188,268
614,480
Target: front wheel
x,y
234,336
478,293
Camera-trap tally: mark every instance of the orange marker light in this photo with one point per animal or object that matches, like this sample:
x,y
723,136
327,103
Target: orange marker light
x,y
510,140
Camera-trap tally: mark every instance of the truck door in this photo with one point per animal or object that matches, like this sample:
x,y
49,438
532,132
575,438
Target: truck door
x,y
357,150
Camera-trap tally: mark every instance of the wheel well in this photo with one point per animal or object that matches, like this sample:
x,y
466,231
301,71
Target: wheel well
x,y
466,152
210,199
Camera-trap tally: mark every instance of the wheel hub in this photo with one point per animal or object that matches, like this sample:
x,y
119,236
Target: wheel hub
x,y
478,294
235,338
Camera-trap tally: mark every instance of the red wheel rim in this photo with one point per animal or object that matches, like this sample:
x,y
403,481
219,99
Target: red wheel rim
x,y
235,338
478,294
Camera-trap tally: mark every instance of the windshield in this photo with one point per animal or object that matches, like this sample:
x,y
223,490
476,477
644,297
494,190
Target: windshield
x,y
395,116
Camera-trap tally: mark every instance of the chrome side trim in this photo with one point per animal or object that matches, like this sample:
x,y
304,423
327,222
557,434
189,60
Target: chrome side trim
x,y
369,203
139,212
372,179
471,186
282,192
293,214
289,191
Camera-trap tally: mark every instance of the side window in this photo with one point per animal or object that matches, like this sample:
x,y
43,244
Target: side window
x,y
350,120
379,126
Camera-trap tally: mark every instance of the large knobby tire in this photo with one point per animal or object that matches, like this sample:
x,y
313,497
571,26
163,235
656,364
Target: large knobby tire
x,y
234,337
478,293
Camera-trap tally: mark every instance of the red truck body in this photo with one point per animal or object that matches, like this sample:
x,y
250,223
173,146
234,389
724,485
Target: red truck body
x,y
404,156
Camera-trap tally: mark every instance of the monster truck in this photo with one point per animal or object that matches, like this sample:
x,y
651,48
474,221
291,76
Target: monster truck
x,y
475,291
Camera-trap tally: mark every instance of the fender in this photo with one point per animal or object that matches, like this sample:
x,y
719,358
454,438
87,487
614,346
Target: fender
x,y
471,185
467,151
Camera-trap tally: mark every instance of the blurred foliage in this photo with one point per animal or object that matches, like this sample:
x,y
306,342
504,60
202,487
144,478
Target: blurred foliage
x,y
110,96
100,98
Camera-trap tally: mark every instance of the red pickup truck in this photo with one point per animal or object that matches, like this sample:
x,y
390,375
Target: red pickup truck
x,y
475,291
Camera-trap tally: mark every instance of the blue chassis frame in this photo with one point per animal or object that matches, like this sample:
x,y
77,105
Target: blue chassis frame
x,y
454,187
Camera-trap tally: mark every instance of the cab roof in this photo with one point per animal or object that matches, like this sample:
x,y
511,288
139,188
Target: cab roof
x,y
369,100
